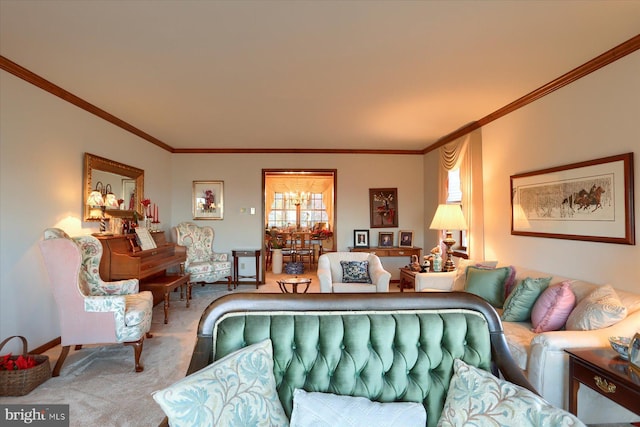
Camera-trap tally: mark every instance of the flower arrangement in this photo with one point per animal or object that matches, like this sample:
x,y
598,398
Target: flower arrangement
x,y
322,234
145,202
7,363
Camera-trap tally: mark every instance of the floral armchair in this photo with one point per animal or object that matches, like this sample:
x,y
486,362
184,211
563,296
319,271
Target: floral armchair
x,y
202,263
92,311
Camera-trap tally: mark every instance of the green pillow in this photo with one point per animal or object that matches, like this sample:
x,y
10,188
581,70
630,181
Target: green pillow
x,y
487,284
519,303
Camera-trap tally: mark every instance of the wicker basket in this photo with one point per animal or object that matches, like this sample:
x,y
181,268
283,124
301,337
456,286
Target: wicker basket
x,y
22,381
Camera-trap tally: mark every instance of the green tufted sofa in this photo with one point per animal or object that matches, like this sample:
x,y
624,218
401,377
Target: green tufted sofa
x,y
386,347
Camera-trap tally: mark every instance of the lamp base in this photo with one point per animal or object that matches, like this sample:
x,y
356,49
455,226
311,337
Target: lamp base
x,y
449,241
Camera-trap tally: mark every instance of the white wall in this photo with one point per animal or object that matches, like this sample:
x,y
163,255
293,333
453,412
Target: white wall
x,y
242,176
42,142
595,117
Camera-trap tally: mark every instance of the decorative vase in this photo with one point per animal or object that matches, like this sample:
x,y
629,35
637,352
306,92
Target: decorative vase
x,y
437,262
276,261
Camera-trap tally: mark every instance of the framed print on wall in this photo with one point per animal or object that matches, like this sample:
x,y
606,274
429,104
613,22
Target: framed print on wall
x,y
383,207
591,201
385,239
405,239
361,238
208,199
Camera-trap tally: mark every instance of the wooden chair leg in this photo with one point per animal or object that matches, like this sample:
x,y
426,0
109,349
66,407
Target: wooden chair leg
x,y
137,351
78,347
149,335
61,358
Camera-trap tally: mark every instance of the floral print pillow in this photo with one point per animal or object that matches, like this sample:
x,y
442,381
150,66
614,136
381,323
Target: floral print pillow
x,y
355,272
237,390
477,398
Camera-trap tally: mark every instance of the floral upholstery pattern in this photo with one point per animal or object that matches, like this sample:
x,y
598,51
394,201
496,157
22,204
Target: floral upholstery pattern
x,y
237,390
478,398
132,309
90,281
202,263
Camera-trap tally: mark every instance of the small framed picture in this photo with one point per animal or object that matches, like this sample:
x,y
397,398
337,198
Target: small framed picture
x,y
208,199
406,239
634,353
361,238
385,239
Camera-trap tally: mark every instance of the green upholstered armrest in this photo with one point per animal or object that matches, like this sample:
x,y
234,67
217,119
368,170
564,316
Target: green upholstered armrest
x,y
386,347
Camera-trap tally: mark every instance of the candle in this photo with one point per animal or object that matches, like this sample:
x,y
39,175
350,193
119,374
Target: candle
x,y
155,215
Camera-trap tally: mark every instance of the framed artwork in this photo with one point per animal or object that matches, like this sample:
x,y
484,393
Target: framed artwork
x,y
590,200
405,239
208,199
383,207
634,352
361,238
385,239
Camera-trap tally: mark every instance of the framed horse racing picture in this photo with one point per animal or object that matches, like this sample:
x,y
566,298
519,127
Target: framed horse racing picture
x,y
591,201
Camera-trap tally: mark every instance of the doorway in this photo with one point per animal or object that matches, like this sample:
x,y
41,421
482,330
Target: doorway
x,y
299,201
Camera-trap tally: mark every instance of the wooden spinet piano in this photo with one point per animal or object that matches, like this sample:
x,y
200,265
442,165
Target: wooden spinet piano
x,y
123,259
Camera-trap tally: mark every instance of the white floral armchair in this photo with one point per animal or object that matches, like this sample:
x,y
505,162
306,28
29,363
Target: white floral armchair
x,y
92,311
202,263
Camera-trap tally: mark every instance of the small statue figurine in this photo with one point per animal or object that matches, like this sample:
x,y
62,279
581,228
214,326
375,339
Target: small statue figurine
x,y
415,265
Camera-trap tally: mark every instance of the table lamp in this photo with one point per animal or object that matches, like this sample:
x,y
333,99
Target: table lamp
x,y
448,217
97,200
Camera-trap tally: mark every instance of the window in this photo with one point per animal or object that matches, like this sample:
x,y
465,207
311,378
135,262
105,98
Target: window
x,y
285,214
454,195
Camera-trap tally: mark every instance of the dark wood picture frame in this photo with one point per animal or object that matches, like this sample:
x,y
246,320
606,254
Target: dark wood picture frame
x,y
590,201
405,239
385,239
383,207
360,238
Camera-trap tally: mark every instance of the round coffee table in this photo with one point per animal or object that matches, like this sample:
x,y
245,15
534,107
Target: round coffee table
x,y
294,282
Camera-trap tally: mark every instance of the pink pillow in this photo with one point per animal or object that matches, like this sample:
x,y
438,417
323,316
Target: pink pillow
x,y
551,310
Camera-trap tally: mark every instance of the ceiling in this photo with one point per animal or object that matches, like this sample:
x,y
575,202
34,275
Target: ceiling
x,y
266,74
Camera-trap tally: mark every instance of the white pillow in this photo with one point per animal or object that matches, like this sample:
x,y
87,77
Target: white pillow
x,y
478,398
331,410
238,389
600,309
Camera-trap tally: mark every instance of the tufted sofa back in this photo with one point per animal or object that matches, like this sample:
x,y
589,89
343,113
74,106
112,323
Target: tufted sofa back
x,y
384,347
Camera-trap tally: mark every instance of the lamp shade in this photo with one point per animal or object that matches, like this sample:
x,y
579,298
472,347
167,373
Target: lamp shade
x,y
95,199
111,201
448,217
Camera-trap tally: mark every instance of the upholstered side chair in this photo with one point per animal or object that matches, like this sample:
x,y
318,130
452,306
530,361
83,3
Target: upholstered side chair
x,y
90,310
204,265
332,277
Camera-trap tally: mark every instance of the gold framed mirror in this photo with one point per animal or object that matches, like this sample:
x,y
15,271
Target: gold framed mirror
x,y
124,181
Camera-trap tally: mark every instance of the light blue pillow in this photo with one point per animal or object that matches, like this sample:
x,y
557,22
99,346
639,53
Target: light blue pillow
x,y
478,398
355,272
237,390
520,302
487,284
331,410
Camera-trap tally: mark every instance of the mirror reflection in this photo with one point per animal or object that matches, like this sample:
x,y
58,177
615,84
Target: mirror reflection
x,y
111,188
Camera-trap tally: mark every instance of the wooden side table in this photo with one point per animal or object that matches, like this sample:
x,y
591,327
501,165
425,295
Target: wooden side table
x,y
294,282
238,253
407,279
602,370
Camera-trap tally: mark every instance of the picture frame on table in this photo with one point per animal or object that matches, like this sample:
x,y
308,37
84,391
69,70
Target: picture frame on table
x,y
405,239
634,353
361,238
385,239
208,200
383,207
589,201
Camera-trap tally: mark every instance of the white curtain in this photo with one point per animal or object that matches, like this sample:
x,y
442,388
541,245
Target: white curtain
x,y
466,153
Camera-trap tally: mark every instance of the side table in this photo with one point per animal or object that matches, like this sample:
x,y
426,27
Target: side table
x,y
602,370
239,253
407,279
294,282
